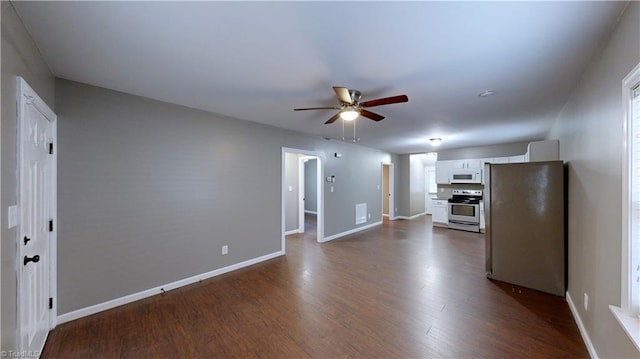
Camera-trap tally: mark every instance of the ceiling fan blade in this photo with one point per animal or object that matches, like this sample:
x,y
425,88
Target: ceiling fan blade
x,y
316,108
343,94
385,101
333,119
371,115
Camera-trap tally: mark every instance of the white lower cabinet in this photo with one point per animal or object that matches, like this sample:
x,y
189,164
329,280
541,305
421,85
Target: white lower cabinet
x,y
439,215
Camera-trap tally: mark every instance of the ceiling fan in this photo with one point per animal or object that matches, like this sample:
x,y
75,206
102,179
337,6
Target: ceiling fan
x,y
350,106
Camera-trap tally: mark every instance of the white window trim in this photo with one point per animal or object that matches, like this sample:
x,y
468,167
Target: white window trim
x,y
627,314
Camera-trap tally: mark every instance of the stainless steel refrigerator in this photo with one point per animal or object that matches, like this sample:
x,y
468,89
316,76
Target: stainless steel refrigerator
x,y
525,224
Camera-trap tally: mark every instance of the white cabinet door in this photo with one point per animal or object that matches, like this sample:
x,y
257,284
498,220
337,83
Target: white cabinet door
x,y
443,169
473,163
455,164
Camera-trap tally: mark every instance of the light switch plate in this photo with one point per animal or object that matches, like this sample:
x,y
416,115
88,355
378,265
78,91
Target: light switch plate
x,y
12,214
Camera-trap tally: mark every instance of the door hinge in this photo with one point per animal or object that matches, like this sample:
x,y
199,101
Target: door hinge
x,y
50,303
50,148
51,225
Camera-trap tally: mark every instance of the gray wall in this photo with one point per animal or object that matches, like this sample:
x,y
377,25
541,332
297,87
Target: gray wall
x,y
416,185
403,186
149,191
591,136
291,197
501,150
311,185
20,57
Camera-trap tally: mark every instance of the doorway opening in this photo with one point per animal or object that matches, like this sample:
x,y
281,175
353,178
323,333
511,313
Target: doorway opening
x,y
388,209
302,194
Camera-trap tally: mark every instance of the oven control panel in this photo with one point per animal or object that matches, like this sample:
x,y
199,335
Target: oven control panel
x,y
467,192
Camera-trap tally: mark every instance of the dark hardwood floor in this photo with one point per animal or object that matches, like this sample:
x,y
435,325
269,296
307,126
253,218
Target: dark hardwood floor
x,y
401,290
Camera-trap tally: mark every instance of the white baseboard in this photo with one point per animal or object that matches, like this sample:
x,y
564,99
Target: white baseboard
x,y
293,231
76,314
412,217
355,230
583,330
310,212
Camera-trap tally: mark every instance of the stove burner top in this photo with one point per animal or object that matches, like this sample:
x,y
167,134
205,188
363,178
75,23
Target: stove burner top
x,y
466,196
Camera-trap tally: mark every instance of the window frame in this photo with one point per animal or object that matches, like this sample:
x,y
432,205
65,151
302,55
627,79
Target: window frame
x,y
628,314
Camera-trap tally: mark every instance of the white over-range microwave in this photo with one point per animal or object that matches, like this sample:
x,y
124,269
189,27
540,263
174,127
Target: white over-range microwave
x,y
465,175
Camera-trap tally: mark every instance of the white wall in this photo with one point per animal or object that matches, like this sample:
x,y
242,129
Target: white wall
x,y
591,135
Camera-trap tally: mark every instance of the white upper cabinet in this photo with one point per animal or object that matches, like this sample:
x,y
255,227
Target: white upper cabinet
x,y
474,163
536,151
466,164
443,169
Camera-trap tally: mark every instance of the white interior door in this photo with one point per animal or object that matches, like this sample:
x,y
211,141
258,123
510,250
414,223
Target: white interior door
x,y
37,207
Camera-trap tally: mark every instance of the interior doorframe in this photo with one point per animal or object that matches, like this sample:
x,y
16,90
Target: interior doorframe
x,y
301,178
302,160
392,212
319,191
27,96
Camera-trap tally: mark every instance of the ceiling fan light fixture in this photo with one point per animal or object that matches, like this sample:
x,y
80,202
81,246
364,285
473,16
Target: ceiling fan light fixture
x,y
349,114
435,141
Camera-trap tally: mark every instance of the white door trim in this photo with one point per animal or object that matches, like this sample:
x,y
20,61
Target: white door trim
x,y
28,97
320,191
301,204
392,212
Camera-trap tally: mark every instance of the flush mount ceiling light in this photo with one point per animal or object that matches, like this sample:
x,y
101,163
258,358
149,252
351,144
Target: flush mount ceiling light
x,y
349,113
486,93
436,141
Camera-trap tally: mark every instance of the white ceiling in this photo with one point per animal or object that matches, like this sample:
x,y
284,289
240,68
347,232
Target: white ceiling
x,y
259,60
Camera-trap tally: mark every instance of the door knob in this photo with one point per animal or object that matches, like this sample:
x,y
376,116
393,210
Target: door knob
x,y
26,239
34,259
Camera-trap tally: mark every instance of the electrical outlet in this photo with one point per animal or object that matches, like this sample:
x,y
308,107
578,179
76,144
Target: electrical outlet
x,y
225,249
586,302
369,216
